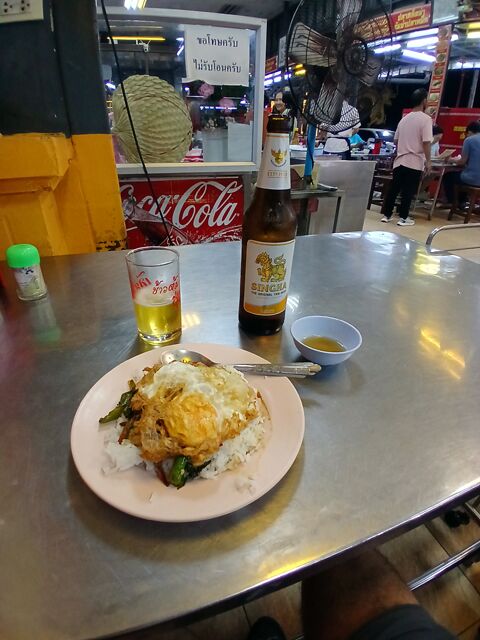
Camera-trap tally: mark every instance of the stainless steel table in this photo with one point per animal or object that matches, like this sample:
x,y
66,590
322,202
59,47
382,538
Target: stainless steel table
x,y
391,435
305,217
355,179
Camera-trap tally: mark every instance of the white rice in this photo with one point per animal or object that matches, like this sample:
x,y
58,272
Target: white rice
x,y
234,452
237,450
120,457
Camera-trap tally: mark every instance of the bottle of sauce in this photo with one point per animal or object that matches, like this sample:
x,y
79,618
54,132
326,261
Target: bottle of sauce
x,y
268,238
24,260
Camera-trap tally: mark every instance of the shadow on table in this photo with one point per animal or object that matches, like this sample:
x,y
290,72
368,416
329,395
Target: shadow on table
x,y
152,541
336,381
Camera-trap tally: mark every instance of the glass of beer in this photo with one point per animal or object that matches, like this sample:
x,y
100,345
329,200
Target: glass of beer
x,y
155,285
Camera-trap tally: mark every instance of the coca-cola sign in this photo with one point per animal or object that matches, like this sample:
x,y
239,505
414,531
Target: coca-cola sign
x,y
195,210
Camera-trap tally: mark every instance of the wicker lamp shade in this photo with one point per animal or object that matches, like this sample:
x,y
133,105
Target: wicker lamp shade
x,y
161,119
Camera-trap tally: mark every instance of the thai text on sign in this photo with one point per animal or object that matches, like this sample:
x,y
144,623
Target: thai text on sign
x,y
402,21
217,55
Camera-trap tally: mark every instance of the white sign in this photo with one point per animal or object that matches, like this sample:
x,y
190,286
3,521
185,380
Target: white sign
x,y
217,55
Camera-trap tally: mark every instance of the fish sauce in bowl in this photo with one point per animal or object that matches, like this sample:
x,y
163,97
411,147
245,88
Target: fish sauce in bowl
x,y
323,343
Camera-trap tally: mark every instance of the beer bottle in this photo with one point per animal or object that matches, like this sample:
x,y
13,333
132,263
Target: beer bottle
x,y
268,237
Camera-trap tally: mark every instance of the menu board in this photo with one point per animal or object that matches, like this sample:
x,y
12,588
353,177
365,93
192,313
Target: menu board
x,y
439,71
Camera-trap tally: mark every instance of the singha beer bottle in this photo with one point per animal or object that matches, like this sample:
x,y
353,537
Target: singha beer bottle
x,y
268,239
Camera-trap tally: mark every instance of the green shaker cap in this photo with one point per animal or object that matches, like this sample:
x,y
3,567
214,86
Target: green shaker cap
x,y
22,255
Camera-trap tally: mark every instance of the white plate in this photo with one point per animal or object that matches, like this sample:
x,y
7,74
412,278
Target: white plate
x,y
141,493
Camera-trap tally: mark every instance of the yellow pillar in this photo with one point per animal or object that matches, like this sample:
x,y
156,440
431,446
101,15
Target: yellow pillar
x,y
60,194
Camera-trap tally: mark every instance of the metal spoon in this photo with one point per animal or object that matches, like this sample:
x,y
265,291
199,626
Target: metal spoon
x,y
294,370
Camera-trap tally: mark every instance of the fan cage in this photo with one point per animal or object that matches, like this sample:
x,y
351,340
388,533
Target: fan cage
x,y
351,28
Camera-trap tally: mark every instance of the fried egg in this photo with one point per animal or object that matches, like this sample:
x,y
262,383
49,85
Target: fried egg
x,y
190,410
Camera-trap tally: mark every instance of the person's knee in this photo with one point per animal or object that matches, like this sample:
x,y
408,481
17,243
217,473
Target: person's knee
x,y
405,621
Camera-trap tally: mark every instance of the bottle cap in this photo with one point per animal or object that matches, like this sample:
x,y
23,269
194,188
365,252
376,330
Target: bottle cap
x,y
22,255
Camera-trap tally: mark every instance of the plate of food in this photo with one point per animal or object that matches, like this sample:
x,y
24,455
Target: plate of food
x,y
185,442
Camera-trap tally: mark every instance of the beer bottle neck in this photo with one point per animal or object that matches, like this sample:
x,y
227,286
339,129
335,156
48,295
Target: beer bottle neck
x,y
278,195
274,171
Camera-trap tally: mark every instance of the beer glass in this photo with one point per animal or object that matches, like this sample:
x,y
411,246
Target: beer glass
x,y
155,284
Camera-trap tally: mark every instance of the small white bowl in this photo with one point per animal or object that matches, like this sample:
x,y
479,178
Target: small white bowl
x,y
334,328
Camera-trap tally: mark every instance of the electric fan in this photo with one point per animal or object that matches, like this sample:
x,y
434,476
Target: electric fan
x,y
343,45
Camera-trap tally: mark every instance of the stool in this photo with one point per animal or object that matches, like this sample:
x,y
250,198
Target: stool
x,y
473,194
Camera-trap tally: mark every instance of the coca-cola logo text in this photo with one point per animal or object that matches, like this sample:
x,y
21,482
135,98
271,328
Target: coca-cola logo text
x,y
189,208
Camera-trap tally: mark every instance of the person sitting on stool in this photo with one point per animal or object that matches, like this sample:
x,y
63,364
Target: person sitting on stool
x,y
469,160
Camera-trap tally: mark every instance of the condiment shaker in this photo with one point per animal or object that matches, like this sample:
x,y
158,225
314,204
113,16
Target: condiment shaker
x,y
24,260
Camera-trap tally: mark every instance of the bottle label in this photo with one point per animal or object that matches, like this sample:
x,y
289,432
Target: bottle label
x,y
275,168
267,276
30,281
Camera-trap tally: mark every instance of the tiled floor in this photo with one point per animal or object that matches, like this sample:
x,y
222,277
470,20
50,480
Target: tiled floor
x,y
453,600
454,240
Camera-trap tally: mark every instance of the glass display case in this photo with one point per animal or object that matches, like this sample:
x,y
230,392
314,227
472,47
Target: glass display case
x,y
194,83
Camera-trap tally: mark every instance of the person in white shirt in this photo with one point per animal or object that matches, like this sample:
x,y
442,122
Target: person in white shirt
x,y
338,135
413,138
437,136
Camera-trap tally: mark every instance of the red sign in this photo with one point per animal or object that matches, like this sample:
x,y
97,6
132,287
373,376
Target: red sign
x,y
454,124
439,72
402,21
271,64
411,19
195,210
